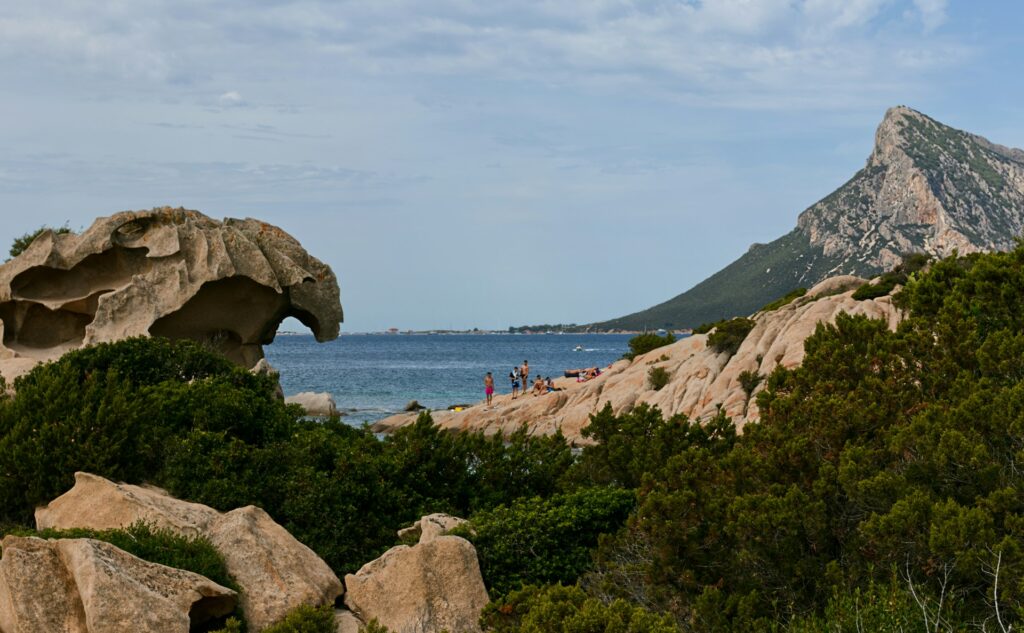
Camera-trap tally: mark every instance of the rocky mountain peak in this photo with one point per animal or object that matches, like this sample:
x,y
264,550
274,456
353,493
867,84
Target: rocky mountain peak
x,y
926,187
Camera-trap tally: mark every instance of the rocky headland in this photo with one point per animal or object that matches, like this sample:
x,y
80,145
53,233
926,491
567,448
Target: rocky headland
x,y
701,378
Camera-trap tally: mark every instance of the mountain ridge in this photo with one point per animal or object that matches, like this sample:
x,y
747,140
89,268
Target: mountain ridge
x,y
926,187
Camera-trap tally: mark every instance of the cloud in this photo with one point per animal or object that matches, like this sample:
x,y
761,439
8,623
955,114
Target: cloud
x,y
230,99
730,53
933,13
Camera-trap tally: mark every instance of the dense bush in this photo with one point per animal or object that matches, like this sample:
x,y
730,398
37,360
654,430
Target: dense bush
x,y
182,417
657,378
537,540
561,609
904,271
882,450
646,342
729,335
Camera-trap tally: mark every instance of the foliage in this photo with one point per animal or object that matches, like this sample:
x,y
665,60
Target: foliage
x,y
749,380
180,416
646,342
658,377
538,540
704,328
113,409
156,545
786,299
21,243
641,441
306,619
882,450
729,335
561,609
911,264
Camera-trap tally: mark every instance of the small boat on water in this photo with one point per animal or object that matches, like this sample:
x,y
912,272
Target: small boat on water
x,y
578,348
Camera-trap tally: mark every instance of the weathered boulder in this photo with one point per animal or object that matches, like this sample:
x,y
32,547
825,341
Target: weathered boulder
x,y
275,571
315,404
165,272
432,586
87,586
701,378
100,504
430,527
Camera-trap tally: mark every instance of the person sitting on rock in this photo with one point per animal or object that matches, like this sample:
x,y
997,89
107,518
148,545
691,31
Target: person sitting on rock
x,y
539,388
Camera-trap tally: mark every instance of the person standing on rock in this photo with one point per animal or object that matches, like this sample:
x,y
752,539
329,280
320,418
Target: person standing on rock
x,y
489,387
524,374
514,376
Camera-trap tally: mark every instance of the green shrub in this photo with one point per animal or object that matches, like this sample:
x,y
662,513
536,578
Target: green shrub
x,y
643,343
113,410
729,335
749,380
561,609
886,284
704,328
544,540
641,441
904,271
658,377
21,243
788,298
156,545
306,619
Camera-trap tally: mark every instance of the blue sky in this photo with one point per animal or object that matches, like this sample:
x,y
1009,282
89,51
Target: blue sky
x,y
481,164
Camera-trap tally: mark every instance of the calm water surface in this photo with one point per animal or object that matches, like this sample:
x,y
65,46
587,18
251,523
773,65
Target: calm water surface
x,y
374,375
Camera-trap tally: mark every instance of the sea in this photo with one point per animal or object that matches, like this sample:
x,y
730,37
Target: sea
x,y
372,376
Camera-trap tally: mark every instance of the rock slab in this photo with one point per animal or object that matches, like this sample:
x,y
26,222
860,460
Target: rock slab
x,y
87,586
275,571
429,587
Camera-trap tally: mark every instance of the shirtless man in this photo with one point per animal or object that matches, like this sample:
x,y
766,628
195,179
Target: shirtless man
x,y
524,374
489,387
539,388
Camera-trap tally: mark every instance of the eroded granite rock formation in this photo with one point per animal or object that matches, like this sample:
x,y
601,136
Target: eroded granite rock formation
x,y
275,571
87,586
429,587
165,272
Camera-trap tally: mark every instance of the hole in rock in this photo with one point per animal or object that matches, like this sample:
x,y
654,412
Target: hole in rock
x,y
109,270
235,316
29,327
209,613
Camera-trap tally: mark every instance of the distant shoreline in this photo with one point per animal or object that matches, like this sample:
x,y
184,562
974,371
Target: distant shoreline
x,y
477,332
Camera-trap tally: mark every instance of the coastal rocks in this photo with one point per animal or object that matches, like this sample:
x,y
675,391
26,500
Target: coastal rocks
x,y
430,527
314,404
701,379
276,572
432,586
166,272
414,405
87,586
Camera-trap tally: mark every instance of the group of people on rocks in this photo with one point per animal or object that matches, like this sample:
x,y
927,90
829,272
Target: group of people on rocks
x,y
520,379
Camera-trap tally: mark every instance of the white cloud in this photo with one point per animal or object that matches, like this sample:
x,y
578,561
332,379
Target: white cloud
x,y
230,98
933,12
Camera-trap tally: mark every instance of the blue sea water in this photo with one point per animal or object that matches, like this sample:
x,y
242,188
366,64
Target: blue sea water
x,y
374,375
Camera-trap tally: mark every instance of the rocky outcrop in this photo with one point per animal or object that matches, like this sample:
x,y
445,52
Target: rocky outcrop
x,y
429,587
87,586
926,187
315,404
430,527
276,572
701,379
166,272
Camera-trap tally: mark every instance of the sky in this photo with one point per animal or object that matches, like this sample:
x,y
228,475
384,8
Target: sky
x,y
483,164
